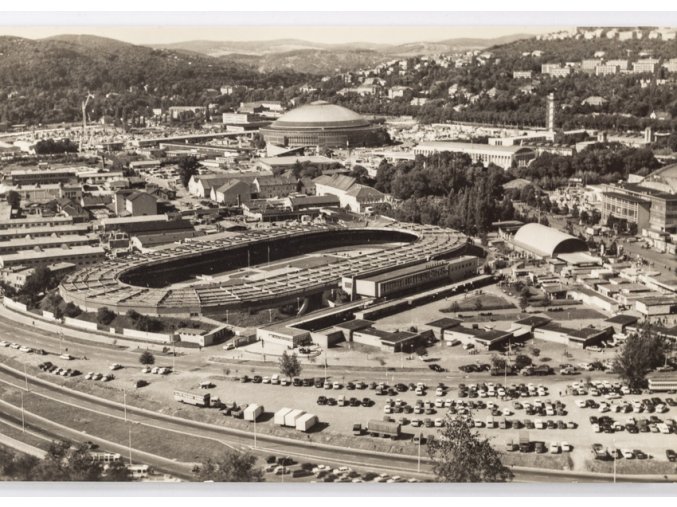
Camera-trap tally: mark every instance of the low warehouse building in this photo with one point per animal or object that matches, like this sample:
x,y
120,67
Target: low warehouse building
x,y
398,341
385,283
489,339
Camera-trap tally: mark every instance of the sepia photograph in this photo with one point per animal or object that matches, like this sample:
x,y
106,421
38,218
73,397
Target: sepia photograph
x,y
384,254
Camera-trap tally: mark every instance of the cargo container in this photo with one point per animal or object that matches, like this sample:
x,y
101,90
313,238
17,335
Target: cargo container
x,y
290,418
253,412
197,399
280,414
383,428
306,422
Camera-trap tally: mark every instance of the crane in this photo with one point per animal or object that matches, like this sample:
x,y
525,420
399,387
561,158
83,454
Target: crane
x,y
84,117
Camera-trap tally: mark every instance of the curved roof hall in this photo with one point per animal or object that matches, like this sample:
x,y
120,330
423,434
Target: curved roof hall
x,y
545,241
320,114
663,179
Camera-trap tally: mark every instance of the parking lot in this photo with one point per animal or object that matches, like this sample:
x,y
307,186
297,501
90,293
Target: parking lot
x,y
544,409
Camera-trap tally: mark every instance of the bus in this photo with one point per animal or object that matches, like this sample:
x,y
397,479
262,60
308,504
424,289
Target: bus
x,y
663,384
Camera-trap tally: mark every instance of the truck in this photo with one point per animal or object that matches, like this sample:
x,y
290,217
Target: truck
x,y
306,422
253,412
197,399
378,428
279,416
290,418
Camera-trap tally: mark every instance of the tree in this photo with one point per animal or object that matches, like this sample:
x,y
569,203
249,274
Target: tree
x,y
40,280
187,168
104,316
478,304
13,199
116,471
522,361
640,354
233,466
289,365
71,310
147,358
462,455
498,362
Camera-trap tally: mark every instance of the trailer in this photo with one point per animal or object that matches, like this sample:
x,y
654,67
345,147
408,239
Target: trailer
x,y
306,422
253,412
279,416
383,428
290,418
197,399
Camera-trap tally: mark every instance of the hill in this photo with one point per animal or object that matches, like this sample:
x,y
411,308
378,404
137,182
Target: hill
x,y
45,80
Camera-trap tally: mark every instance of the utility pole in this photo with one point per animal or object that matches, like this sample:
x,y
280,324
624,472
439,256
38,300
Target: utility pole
x,y
23,417
418,465
255,431
130,444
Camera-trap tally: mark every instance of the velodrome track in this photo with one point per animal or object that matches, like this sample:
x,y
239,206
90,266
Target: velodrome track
x,y
268,444
107,284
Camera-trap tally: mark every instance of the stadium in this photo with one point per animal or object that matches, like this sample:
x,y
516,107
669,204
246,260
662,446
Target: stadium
x,y
253,270
322,124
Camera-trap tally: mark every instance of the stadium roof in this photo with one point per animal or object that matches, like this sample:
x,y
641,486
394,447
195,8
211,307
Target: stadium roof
x,y
545,241
320,114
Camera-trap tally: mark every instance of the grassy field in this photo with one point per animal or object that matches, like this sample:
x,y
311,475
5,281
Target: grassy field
x,y
481,303
633,466
533,460
183,448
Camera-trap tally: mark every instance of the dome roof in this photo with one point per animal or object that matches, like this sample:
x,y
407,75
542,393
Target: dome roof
x,y
663,179
320,114
546,241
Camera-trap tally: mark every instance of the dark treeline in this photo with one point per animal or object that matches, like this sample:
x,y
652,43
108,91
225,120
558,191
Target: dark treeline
x,y
446,189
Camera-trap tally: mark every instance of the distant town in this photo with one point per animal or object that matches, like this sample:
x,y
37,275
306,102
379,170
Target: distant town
x,y
215,273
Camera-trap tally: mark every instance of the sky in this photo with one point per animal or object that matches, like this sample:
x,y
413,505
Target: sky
x,y
324,34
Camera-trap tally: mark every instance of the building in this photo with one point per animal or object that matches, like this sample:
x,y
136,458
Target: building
x,y
268,187
646,66
521,74
594,101
177,112
201,185
29,243
607,70
489,339
388,341
397,91
286,163
35,222
133,203
541,241
42,193
646,204
322,124
41,176
313,201
80,255
232,193
147,224
633,209
352,195
502,156
386,283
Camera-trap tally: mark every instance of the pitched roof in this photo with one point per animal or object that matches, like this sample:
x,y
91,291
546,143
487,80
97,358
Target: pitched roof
x,y
337,181
363,193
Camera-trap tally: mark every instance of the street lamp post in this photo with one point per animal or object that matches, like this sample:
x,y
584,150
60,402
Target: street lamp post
x,y
23,417
26,376
130,444
418,464
124,401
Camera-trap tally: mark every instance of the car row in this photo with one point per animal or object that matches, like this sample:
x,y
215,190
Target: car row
x,y
104,377
343,401
155,370
49,367
539,447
